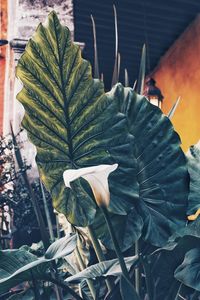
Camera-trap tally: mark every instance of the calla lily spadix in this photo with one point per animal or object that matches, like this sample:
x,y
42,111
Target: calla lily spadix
x,y
97,177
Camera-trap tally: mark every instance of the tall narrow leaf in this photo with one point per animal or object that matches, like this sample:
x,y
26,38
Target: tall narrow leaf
x,y
173,109
115,71
142,70
126,78
96,63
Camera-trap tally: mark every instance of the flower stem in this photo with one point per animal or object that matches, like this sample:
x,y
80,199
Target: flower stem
x,y
99,253
116,245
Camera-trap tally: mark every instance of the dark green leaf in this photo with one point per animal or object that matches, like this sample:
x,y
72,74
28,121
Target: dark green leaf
x,y
102,269
188,271
20,265
161,167
128,229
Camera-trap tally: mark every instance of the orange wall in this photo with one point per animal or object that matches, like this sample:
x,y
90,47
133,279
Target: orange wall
x,y
178,74
3,35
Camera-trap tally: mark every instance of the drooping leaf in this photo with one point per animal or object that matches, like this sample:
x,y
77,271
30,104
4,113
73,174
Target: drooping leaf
x,y
73,123
161,167
20,265
188,271
102,269
193,158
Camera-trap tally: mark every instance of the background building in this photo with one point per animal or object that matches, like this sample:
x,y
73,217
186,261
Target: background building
x,y
170,29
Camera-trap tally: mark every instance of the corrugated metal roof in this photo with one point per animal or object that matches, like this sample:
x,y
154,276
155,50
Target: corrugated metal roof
x,y
157,23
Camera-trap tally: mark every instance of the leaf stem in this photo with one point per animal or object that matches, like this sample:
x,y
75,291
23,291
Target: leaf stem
x,y
82,265
178,292
148,278
116,245
137,270
99,253
35,288
64,286
119,254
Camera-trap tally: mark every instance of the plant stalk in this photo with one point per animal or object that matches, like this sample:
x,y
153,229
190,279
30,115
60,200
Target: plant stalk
x,y
178,292
82,265
99,253
48,217
64,286
35,288
116,245
137,270
148,277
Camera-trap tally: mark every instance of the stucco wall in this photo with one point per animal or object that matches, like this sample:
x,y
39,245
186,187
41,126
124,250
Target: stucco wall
x,y
3,35
178,74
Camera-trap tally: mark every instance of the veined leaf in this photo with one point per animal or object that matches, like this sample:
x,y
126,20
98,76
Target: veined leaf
x,y
161,167
20,265
188,271
102,269
193,157
73,123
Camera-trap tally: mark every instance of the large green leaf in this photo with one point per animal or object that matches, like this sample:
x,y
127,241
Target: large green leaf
x,y
103,269
20,265
188,271
161,167
73,123
193,157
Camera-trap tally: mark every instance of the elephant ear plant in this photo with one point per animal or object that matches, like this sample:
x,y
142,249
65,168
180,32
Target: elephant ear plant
x,y
76,126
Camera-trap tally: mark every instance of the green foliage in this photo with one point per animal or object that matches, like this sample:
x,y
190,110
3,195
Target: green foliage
x,y
68,118
20,265
102,269
161,167
188,271
74,124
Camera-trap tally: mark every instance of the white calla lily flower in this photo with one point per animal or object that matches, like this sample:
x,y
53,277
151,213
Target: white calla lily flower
x,y
97,177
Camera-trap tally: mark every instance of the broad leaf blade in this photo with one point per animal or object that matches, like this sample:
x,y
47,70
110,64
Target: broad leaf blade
x,y
20,265
102,269
188,271
17,266
128,229
72,123
161,167
61,247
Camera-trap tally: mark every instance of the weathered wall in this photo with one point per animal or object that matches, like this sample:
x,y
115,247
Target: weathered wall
x,y
3,35
31,12
23,18
178,74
